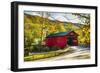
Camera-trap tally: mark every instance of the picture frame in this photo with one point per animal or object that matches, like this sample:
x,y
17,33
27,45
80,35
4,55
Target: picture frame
x,y
25,15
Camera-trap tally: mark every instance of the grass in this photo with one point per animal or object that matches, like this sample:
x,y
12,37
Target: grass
x,y
38,56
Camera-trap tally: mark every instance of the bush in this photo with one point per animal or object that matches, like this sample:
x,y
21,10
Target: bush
x,y
54,48
84,45
42,48
26,52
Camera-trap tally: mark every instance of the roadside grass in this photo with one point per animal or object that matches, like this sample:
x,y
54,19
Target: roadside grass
x,y
44,55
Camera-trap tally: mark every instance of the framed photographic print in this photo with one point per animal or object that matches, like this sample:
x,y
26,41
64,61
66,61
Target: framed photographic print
x,y
52,36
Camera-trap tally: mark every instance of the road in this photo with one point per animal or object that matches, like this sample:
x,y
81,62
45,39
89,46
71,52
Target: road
x,y
73,53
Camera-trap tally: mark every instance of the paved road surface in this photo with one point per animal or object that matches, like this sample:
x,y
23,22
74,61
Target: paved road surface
x,y
73,53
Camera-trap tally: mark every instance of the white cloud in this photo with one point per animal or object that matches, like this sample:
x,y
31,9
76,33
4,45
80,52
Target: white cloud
x,y
65,17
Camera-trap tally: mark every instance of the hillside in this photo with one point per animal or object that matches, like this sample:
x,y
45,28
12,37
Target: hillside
x,y
37,28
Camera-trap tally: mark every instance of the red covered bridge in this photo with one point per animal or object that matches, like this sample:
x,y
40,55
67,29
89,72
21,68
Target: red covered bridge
x,y
62,39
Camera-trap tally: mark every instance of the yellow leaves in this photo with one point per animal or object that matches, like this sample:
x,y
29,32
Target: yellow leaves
x,y
27,19
62,28
71,26
51,29
84,34
38,27
54,28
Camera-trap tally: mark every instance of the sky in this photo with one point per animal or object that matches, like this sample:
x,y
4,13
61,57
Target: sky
x,y
61,16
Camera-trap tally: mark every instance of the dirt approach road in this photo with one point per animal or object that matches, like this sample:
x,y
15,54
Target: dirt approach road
x,y
73,53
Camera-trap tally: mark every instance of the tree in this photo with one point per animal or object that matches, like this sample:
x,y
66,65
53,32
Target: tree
x,y
85,17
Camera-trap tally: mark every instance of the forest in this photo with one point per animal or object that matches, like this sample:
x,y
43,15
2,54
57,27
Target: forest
x,y
36,28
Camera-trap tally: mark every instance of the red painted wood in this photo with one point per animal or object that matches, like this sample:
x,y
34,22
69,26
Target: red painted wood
x,y
61,42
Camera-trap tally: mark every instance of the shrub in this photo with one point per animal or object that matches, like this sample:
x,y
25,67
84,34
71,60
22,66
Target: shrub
x,y
54,48
26,52
42,48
